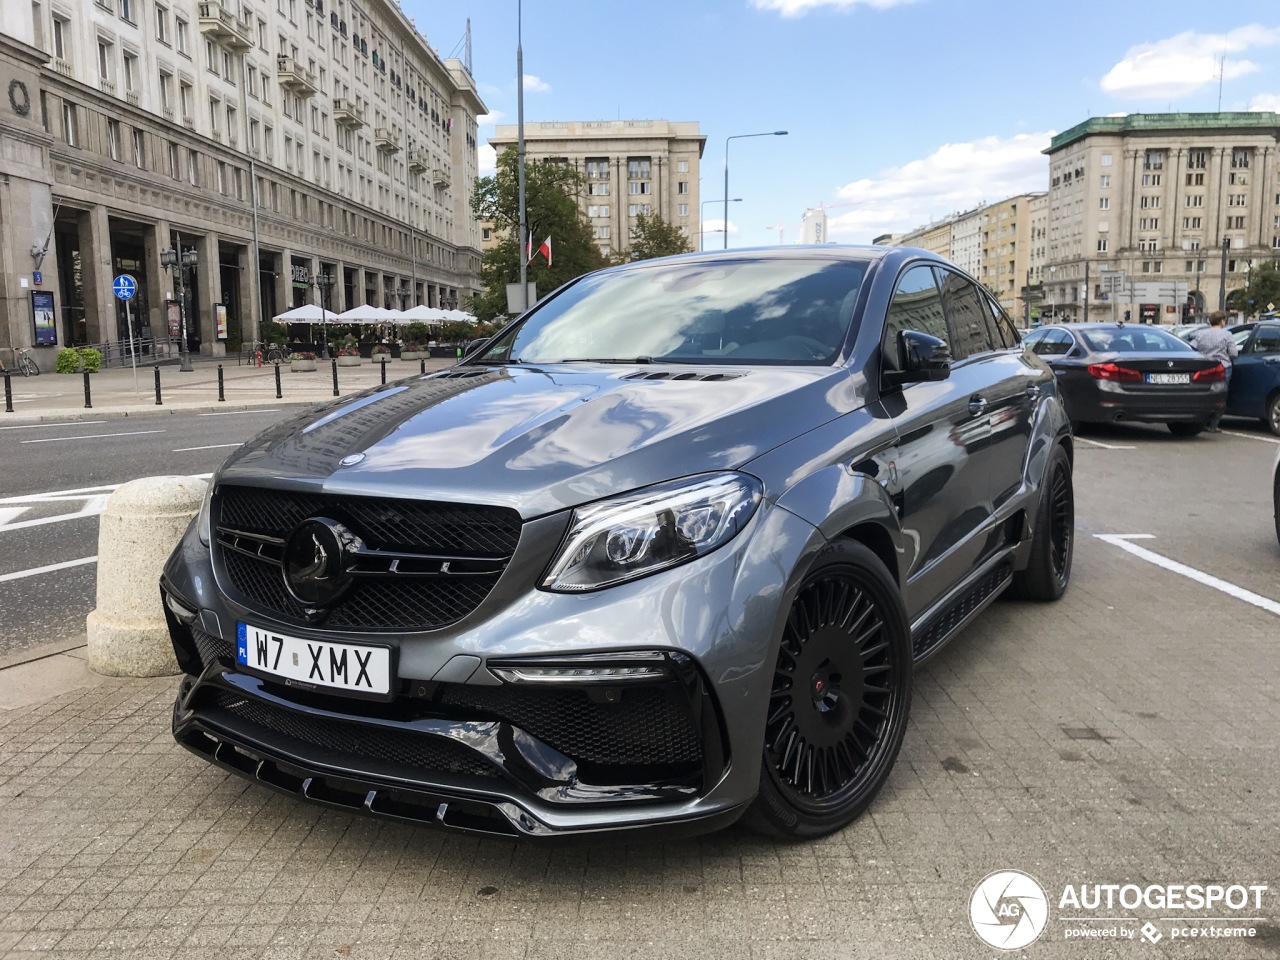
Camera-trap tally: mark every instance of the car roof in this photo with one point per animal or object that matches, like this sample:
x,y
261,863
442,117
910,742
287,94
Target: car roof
x,y
859,253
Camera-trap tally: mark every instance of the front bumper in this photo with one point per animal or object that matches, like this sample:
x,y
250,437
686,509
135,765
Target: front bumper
x,y
676,754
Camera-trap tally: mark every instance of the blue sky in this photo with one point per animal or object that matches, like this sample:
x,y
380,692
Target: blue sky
x,y
897,111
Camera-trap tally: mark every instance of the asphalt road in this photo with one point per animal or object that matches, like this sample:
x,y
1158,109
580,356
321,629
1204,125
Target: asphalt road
x,y
59,470
1204,503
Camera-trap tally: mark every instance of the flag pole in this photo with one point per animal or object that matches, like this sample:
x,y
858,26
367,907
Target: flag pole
x,y
524,266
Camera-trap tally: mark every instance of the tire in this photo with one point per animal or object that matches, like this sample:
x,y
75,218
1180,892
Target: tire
x,y
1272,420
1186,429
1053,540
29,368
845,650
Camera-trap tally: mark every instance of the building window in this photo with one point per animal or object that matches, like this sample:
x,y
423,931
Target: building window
x,y
1104,180
215,108
682,187
682,210
598,210
130,73
486,233
61,37
166,93
1151,179
638,169
1195,179
1102,245
193,168
238,177
1149,223
185,92
126,11
175,163
1235,200
181,36
1105,160
1148,246
597,189
1153,160
222,176
597,168
1195,200
1235,223
1193,244
162,24
1197,159
139,149
638,187
104,61
1238,178
601,233
1240,158
1191,223
113,138
210,57
70,124
1104,203
1149,203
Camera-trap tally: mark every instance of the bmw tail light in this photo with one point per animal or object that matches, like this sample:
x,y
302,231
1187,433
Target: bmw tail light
x,y
1110,371
1215,374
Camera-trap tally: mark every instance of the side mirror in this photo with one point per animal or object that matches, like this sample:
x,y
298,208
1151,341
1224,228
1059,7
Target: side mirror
x,y
920,358
473,347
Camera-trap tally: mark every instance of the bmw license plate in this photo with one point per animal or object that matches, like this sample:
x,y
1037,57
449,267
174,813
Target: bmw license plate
x,y
314,664
1168,378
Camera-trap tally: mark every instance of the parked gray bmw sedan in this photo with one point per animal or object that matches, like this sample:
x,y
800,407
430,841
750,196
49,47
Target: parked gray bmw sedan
x,y
661,555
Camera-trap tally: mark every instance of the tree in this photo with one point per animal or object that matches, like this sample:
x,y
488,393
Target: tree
x,y
551,206
655,237
1263,289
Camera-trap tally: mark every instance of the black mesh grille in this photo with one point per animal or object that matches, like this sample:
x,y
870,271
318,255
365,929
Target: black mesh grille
x,y
210,647
648,726
374,603
352,744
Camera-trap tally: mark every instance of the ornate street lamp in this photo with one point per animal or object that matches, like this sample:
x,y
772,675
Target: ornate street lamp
x,y
403,293
325,281
180,263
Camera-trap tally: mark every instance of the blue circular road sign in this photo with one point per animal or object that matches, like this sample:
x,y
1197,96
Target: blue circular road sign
x,y
125,286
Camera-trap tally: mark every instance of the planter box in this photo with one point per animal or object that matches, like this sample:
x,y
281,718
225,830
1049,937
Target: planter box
x,y
411,355
348,361
302,366
379,357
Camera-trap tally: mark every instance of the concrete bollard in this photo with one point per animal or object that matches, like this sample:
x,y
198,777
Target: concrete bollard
x,y
142,523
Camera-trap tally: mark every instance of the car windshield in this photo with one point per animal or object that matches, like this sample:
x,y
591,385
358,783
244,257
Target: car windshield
x,y
792,311
1134,340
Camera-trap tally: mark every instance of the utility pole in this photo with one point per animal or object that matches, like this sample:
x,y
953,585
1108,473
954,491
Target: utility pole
x,y
1222,289
1086,291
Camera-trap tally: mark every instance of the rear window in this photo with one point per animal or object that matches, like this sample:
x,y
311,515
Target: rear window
x,y
1134,340
792,311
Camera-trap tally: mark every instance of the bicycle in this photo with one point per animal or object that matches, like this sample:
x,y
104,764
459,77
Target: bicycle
x,y
25,364
275,355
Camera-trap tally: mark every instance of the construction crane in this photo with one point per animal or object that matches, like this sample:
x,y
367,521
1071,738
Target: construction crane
x,y
823,206
780,227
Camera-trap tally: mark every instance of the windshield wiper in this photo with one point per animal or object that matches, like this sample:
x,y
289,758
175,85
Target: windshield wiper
x,y
625,360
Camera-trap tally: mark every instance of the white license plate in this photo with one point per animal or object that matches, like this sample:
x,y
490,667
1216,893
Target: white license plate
x,y
315,663
1168,378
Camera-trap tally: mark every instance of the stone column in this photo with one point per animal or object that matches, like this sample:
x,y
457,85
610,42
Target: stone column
x,y
95,266
248,305
340,304
158,279
209,289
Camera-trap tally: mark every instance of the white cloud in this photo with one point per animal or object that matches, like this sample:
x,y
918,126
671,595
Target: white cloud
x,y
956,176
490,119
1265,102
1184,64
798,8
487,162
534,84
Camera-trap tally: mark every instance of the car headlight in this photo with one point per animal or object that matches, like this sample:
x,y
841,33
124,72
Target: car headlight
x,y
652,529
204,522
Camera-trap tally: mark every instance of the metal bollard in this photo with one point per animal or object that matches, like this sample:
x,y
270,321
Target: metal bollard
x,y
334,361
422,365
159,402
88,403
384,369
279,395
221,395
8,394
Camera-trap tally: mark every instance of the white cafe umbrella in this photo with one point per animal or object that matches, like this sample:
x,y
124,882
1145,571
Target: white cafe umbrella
x,y
422,314
307,313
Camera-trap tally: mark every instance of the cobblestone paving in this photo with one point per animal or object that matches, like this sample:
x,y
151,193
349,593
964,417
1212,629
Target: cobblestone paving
x,y
1099,740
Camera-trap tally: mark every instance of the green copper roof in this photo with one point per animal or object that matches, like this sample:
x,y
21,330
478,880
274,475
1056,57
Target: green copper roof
x,y
1140,122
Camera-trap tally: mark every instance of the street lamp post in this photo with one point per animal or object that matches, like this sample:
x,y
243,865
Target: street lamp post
x,y
701,210
325,282
179,263
738,136
1222,289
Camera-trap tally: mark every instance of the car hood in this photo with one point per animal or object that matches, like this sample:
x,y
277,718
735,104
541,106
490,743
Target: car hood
x,y
542,438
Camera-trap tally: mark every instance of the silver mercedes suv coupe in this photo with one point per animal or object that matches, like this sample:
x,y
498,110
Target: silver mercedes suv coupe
x,y
661,555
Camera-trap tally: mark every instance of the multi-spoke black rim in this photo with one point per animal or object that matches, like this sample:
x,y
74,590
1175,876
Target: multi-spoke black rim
x,y
1061,521
834,692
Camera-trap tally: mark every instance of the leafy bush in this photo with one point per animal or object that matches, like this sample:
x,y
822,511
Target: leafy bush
x,y
408,347
415,332
303,355
379,348
273,332
348,352
68,361
90,359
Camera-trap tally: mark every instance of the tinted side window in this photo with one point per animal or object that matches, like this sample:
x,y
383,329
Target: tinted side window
x,y
1003,328
1054,343
965,316
916,305
1267,340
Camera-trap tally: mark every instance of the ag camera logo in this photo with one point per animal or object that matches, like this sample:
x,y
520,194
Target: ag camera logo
x,y
1008,910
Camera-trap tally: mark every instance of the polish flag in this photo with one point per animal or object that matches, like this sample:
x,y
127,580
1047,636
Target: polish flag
x,y
545,249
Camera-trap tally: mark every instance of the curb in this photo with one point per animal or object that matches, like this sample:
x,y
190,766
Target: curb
x,y
117,413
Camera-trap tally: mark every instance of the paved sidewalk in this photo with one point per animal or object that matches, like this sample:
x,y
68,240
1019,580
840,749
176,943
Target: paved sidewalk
x,y
113,393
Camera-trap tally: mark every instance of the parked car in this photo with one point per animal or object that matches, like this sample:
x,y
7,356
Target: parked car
x,y
1255,374
1110,372
1187,331
663,554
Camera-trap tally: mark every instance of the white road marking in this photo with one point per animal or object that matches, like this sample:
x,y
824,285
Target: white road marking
x,y
1240,593
78,493
215,446
1105,446
1250,436
236,413
68,423
93,436
36,571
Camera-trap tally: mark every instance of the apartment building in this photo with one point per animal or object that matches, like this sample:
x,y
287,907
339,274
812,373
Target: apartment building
x,y
1175,206
629,167
299,151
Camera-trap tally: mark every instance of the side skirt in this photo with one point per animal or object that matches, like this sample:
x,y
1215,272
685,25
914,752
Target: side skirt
x,y
958,608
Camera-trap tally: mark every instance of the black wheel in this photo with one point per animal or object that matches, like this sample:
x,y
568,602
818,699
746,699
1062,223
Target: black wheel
x,y
29,368
1272,420
1186,429
840,699
1053,540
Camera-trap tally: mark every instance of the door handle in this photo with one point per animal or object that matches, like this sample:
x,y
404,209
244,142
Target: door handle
x,y
977,404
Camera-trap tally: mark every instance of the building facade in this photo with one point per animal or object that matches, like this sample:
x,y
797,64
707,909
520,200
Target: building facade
x,y
1160,214
813,226
629,167
295,151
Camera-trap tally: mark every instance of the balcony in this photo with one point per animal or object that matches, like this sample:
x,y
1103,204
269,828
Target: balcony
x,y
418,160
440,177
62,66
223,27
107,86
347,113
294,76
133,97
385,140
